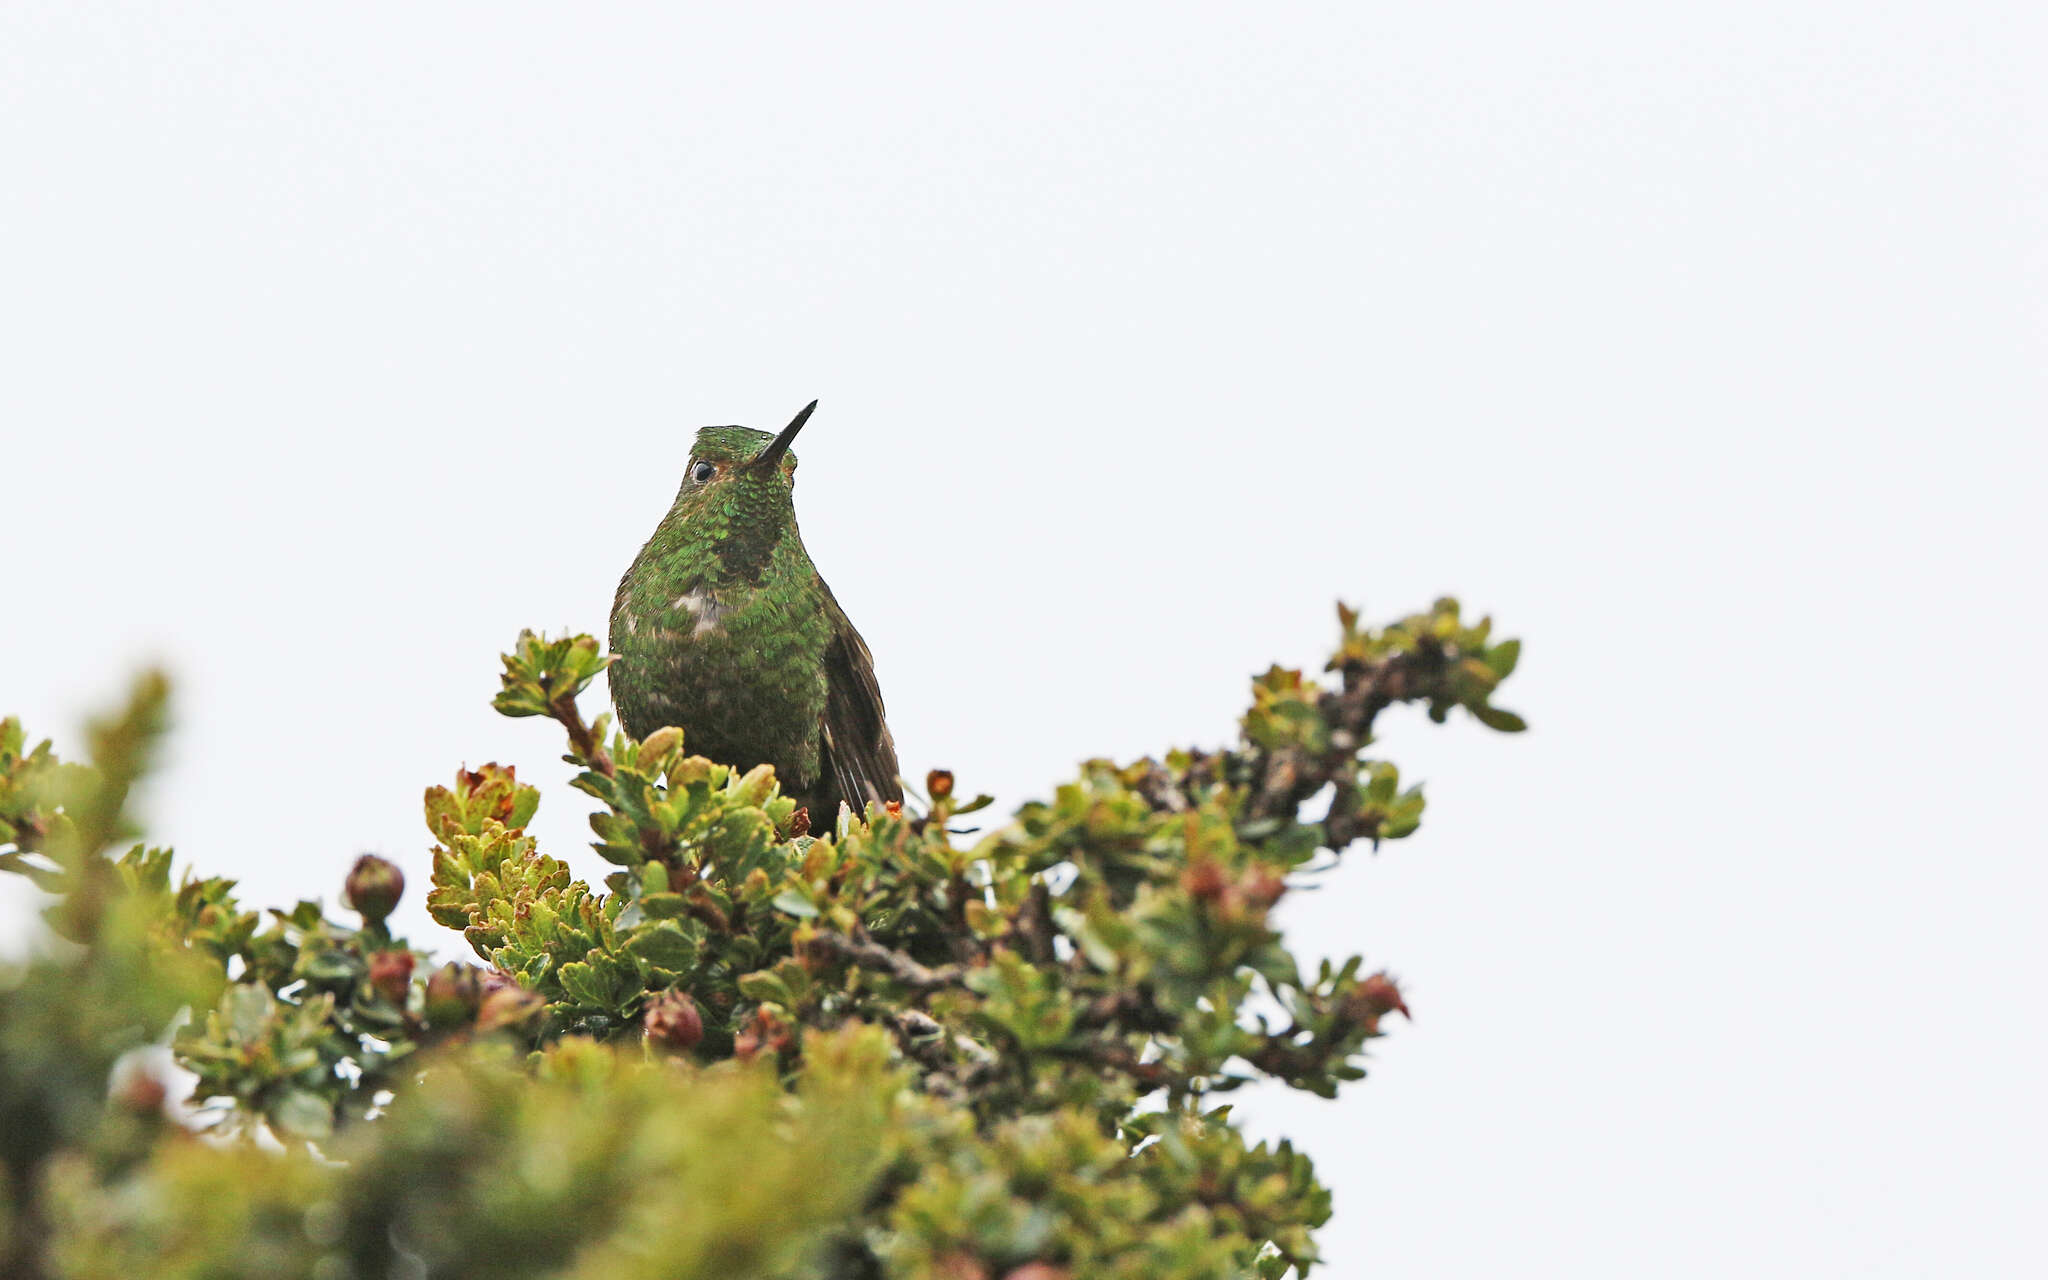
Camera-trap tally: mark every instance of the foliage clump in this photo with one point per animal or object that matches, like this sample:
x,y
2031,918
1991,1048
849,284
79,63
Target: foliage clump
x,y
888,1046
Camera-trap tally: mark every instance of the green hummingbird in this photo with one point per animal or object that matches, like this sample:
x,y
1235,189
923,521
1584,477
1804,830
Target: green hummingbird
x,y
723,628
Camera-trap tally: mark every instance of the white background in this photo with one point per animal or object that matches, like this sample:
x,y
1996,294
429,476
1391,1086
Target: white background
x,y
1701,344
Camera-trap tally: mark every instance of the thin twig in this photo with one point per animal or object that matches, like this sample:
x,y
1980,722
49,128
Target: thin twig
x,y
582,741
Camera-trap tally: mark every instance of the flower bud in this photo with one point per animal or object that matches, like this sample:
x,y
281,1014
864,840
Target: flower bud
x,y
453,994
1204,881
137,1083
766,1032
1262,887
391,975
671,1021
143,1093
939,782
373,888
513,1009
958,1265
1375,998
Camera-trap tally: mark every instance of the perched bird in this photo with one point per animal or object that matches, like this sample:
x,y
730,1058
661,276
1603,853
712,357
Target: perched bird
x,y
723,628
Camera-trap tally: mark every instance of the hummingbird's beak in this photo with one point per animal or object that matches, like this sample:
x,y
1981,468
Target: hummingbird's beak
x,y
768,459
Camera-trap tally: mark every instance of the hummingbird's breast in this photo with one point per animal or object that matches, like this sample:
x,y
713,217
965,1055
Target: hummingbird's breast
x,y
738,665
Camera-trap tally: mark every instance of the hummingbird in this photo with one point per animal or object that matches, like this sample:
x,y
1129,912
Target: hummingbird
x,y
723,628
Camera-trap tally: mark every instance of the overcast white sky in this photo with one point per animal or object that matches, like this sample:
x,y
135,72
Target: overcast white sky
x,y
1701,344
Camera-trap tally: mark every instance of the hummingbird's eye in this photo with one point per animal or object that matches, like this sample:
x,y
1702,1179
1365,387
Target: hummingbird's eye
x,y
703,472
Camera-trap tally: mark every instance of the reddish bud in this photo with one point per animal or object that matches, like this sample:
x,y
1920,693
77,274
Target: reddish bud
x,y
766,1033
373,888
958,1266
136,1084
144,1093
1204,881
799,824
1261,887
893,807
391,975
511,1009
453,995
1376,997
671,1020
939,782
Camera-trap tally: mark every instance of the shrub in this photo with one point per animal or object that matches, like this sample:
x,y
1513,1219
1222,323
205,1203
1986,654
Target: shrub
x,y
895,1047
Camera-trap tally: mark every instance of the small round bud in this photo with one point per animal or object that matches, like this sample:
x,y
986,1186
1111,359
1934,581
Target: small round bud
x,y
1262,887
391,975
373,888
939,782
1204,881
453,994
959,1266
671,1021
766,1032
143,1093
511,1008
1375,998
138,1083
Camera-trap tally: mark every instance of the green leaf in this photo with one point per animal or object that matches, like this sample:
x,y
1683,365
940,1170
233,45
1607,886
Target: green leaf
x,y
332,969
794,902
584,985
1503,657
664,944
766,988
663,906
1497,718
1385,778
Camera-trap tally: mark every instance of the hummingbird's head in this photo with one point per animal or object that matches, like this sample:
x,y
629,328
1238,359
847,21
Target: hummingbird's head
x,y
740,462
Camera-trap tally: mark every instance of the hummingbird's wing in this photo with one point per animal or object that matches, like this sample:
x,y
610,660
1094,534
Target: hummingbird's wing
x,y
860,756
